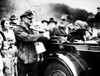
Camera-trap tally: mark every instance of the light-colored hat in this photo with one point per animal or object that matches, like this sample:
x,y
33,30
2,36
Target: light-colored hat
x,y
79,23
28,14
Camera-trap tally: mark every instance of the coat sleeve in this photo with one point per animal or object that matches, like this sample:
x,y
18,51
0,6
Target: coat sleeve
x,y
24,36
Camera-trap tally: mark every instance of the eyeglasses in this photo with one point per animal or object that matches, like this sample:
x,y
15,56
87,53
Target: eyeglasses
x,y
9,40
29,18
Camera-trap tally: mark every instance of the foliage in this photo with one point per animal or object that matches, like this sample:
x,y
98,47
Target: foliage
x,y
76,13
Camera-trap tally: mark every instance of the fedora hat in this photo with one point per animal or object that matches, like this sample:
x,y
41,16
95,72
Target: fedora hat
x,y
13,17
44,21
51,20
27,14
98,7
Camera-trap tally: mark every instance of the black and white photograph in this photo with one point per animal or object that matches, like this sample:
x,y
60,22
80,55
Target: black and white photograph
x,y
49,37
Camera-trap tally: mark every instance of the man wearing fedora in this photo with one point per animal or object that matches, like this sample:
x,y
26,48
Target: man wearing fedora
x,y
13,21
25,39
44,25
51,24
45,22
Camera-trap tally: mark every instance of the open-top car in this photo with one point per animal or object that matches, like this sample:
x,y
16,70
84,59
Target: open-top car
x,y
69,59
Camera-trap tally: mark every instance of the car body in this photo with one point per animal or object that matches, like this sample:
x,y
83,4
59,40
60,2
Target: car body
x,y
69,59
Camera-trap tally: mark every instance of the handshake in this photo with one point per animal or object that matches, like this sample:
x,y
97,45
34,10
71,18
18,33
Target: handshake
x,y
45,34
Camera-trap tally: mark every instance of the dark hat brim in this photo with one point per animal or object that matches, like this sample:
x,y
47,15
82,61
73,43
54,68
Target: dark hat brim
x,y
44,21
98,7
53,22
13,19
26,16
22,16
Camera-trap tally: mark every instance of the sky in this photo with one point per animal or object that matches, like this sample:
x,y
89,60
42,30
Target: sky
x,y
89,5
43,9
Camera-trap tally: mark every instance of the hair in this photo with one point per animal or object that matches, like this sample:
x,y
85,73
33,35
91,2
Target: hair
x,y
2,34
68,17
4,39
3,22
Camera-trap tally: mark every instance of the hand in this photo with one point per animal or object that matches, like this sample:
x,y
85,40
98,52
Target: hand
x,y
47,35
63,40
15,60
35,27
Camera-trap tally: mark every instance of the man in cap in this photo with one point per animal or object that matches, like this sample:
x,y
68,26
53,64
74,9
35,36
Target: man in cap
x,y
44,25
13,21
51,24
45,22
25,38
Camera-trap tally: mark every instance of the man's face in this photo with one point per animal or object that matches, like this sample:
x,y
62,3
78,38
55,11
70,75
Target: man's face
x,y
63,22
15,21
27,20
51,25
45,24
13,26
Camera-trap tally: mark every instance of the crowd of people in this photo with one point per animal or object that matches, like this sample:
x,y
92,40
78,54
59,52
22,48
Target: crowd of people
x,y
18,56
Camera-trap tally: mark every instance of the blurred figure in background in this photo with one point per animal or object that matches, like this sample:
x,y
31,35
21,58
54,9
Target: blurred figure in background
x,y
51,24
91,31
5,26
2,39
97,16
9,48
13,22
45,25
79,25
10,59
79,32
10,56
